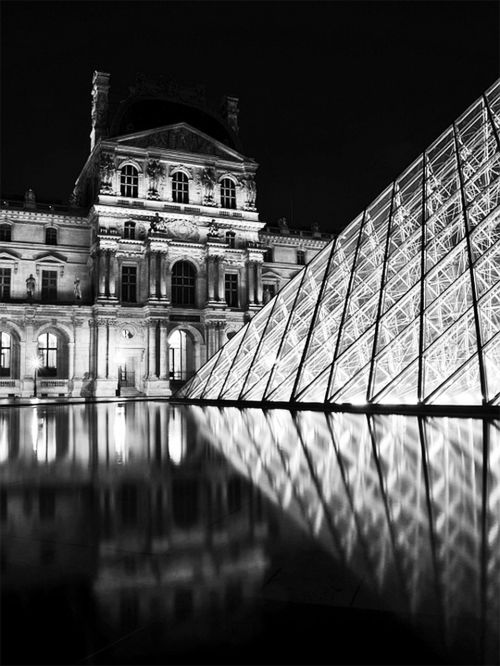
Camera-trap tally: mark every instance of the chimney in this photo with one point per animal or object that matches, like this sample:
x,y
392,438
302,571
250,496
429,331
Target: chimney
x,y
230,112
99,113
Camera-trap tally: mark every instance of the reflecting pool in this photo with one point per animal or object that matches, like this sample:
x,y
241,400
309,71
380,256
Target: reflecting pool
x,y
144,532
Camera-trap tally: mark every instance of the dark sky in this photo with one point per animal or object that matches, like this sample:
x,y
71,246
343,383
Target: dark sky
x,y
335,98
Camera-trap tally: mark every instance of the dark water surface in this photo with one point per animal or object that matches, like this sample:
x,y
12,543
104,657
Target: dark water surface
x,y
144,532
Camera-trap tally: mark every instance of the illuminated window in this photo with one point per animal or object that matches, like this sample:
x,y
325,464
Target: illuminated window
x,y
4,284
49,285
129,181
5,354
180,187
129,230
129,284
5,233
227,193
51,236
301,257
47,353
231,290
183,284
177,360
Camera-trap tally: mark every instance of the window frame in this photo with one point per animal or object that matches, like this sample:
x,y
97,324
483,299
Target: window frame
x,y
5,351
227,193
5,233
129,229
5,285
49,231
48,291
180,187
46,354
231,290
186,285
127,287
129,181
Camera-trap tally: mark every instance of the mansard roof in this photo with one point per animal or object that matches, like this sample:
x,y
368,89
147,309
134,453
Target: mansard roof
x,y
147,112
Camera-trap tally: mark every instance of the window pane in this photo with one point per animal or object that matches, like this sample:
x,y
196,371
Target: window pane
x,y
5,283
183,284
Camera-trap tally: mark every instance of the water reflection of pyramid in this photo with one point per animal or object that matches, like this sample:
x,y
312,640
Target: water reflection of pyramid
x,y
403,306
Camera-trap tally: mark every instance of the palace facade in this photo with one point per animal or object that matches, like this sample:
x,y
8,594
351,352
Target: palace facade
x,y
159,258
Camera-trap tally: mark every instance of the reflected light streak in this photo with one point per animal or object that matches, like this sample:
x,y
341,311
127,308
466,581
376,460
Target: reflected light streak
x,y
119,433
398,498
4,438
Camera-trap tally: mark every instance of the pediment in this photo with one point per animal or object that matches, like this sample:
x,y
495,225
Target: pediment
x,y
9,255
181,137
51,258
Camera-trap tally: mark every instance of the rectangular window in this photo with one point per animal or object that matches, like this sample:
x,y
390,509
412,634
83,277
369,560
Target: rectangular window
x,y
268,254
301,257
129,284
4,284
49,285
231,290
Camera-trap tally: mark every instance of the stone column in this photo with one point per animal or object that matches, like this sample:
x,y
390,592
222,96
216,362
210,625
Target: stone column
x,y
71,359
220,280
152,351
168,281
251,283
163,281
112,274
101,349
152,275
163,351
258,270
221,331
211,278
102,274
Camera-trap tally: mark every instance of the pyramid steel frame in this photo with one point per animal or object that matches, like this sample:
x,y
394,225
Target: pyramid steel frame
x,y
403,307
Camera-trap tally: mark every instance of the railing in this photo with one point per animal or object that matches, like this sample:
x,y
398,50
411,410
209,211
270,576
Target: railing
x,y
52,383
48,208
7,383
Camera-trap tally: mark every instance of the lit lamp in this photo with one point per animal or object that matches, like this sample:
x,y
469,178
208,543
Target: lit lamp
x,y
37,362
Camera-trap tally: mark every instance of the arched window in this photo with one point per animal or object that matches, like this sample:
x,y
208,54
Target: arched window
x,y
183,284
5,235
5,354
180,187
129,181
129,230
47,353
227,193
50,236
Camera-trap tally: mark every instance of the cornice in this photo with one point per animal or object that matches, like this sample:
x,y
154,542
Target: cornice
x,y
38,216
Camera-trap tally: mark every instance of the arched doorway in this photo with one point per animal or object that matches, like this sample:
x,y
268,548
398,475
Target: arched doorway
x,y
181,362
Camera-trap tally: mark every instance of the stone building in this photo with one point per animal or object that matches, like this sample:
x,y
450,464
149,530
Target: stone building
x,y
158,260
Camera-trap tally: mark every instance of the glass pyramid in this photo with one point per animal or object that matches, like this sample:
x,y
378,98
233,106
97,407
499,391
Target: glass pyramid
x,y
403,307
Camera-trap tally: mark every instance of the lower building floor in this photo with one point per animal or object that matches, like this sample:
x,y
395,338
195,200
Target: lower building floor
x,y
106,349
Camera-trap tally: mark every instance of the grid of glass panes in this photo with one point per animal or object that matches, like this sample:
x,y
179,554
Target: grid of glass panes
x,y
49,285
227,193
180,187
47,353
129,181
402,307
183,284
129,284
5,354
231,290
5,233
5,278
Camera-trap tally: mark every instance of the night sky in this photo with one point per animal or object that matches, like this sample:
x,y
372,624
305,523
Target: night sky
x,y
336,98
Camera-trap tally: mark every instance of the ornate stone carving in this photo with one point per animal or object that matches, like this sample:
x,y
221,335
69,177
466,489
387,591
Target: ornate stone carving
x,y
208,179
175,228
106,171
251,191
155,172
177,139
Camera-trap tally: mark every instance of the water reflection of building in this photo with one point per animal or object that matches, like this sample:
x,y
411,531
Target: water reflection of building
x,y
410,503
134,502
